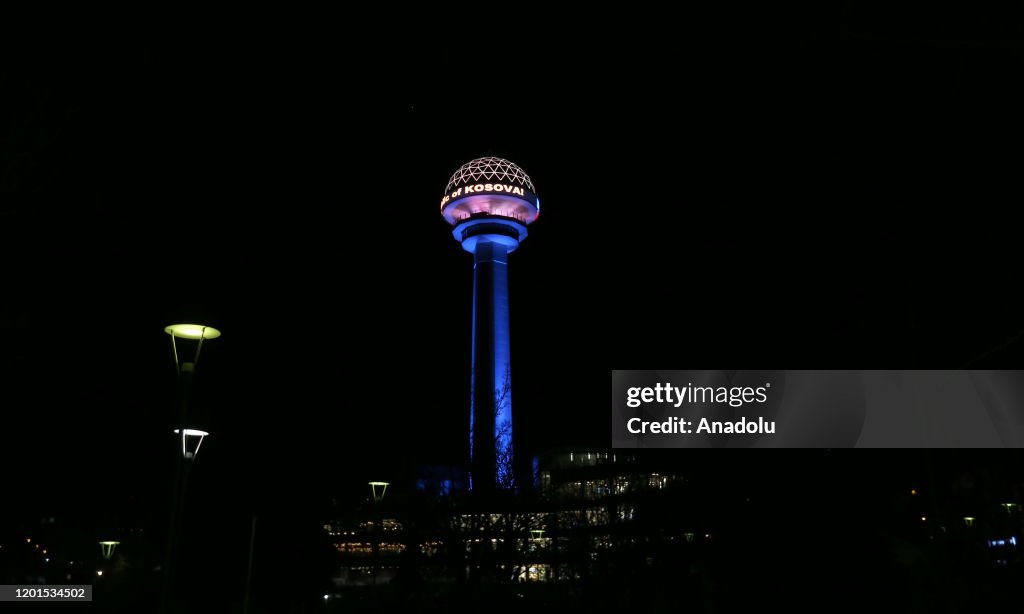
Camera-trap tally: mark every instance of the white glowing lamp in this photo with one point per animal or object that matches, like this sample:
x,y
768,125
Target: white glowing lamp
x,y
191,439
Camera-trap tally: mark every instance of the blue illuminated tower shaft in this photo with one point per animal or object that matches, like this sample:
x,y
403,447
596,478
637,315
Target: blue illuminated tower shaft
x,y
490,421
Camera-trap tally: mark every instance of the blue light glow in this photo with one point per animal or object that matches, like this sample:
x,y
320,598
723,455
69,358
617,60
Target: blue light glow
x,y
491,392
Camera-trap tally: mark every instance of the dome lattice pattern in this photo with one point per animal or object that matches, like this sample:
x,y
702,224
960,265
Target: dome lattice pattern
x,y
489,169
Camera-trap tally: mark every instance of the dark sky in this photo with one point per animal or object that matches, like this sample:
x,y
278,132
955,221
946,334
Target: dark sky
x,y
764,197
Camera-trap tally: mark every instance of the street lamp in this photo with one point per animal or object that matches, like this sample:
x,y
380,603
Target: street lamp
x,y
969,521
191,439
187,343
189,332
108,548
186,357
378,496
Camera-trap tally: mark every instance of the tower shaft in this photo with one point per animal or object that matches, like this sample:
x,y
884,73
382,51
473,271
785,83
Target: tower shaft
x,y
491,465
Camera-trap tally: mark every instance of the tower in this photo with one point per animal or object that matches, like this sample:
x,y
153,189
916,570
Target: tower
x,y
490,202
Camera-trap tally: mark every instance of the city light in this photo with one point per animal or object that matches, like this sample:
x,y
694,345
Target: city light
x,y
99,572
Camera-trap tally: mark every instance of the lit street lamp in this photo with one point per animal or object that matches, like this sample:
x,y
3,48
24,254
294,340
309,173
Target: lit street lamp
x,y
378,496
189,332
191,439
187,344
108,548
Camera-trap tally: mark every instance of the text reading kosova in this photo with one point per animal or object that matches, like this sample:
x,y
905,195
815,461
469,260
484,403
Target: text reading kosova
x,y
667,394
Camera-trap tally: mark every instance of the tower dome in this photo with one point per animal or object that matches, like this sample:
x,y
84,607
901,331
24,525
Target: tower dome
x,y
490,187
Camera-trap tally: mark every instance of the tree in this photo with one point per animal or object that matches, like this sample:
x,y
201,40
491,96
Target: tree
x,y
504,466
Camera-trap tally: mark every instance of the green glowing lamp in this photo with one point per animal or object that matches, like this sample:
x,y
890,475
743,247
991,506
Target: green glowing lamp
x,y
1010,507
191,333
536,534
969,521
108,548
378,495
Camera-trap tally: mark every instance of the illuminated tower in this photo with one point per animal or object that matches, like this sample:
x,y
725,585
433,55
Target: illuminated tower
x,y
490,202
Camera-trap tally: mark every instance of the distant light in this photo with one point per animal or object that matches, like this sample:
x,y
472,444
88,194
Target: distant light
x,y
969,521
37,546
44,550
28,540
326,596
192,331
1013,541
913,492
47,559
99,572
924,519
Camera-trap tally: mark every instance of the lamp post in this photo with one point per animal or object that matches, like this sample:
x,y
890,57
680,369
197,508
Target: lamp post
x,y
187,344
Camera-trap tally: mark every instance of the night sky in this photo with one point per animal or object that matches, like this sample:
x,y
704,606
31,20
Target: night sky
x,y
836,197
